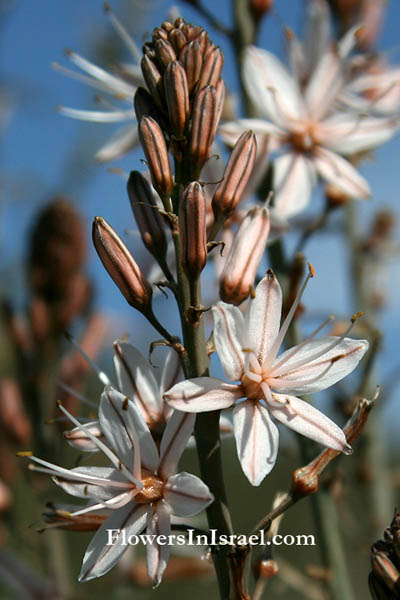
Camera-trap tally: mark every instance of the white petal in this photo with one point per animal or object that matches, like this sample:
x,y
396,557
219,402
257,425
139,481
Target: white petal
x,y
115,84
294,179
348,134
187,494
158,524
337,170
321,373
89,490
202,394
116,422
136,380
97,116
231,132
171,372
324,85
307,420
228,338
101,557
174,440
81,441
124,139
317,32
257,440
262,71
263,316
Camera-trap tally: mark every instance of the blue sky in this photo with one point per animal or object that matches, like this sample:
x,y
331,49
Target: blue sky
x,y
38,145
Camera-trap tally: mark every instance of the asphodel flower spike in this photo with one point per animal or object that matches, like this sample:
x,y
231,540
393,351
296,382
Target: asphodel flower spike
x,y
248,349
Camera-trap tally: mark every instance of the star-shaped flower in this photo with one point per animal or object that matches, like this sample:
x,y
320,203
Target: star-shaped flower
x,y
247,347
303,123
141,487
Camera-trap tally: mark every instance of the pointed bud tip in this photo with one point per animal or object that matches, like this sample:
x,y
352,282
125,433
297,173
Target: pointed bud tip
x,y
348,450
311,270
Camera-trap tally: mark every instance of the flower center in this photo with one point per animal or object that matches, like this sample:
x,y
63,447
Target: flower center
x,y
152,488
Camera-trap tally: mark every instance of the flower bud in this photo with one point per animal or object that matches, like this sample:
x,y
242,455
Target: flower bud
x,y
155,149
192,61
203,126
212,68
260,7
192,229
203,40
236,175
177,95
144,105
153,79
164,52
244,257
121,265
177,39
147,216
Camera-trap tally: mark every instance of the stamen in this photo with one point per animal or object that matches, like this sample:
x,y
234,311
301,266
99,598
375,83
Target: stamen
x,y
320,353
275,368
76,394
56,471
282,382
250,360
124,35
86,79
112,457
102,376
283,330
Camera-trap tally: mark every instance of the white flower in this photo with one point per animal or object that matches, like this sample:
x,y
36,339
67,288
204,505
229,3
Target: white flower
x,y
303,123
247,348
140,488
120,86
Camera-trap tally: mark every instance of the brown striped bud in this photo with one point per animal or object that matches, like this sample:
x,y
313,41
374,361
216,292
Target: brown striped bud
x,y
236,175
244,258
159,34
192,61
220,94
164,52
147,216
121,265
203,127
167,26
155,149
177,95
203,40
212,68
153,79
144,105
177,39
192,229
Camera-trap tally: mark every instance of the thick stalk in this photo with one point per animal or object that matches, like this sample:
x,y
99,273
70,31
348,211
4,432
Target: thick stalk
x,y
206,433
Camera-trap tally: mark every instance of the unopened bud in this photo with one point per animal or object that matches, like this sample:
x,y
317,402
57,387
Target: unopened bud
x,y
144,105
159,33
260,7
203,127
212,68
264,569
164,52
147,215
177,38
203,40
121,265
192,229
244,257
236,175
177,96
192,61
155,149
153,79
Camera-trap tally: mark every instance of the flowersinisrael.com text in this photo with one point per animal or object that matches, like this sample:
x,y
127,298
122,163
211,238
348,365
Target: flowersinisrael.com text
x,y
118,536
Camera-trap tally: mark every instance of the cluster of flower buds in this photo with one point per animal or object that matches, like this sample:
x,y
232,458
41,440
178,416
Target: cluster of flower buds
x,y
384,579
183,104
